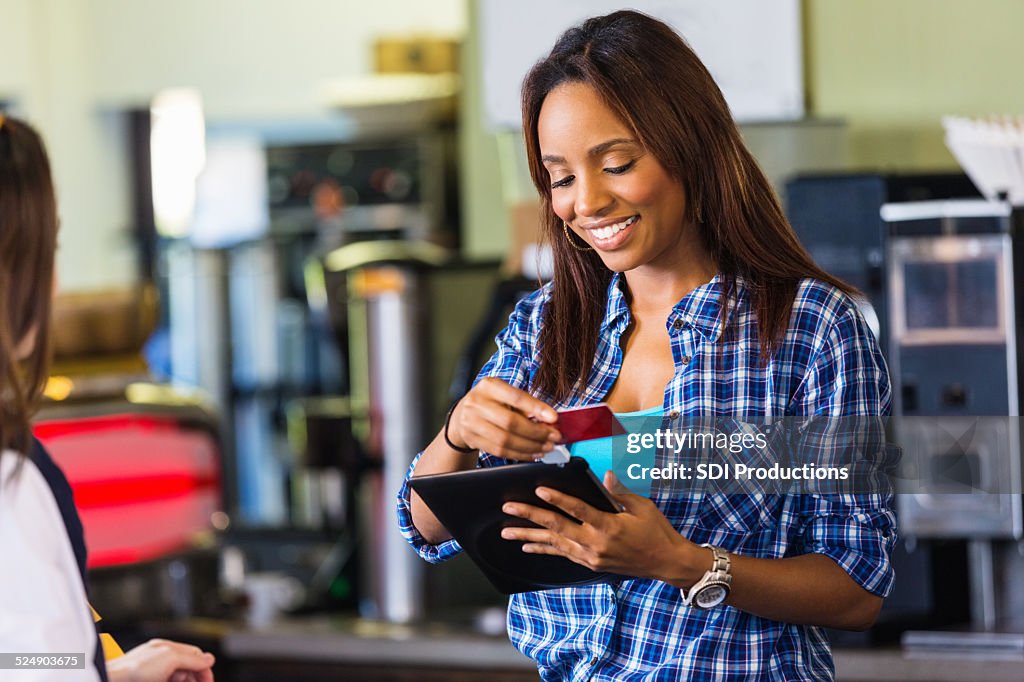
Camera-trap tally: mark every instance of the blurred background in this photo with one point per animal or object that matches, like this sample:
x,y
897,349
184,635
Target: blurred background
x,y
291,230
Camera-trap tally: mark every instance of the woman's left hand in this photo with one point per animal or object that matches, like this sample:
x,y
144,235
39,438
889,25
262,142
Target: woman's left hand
x,y
638,541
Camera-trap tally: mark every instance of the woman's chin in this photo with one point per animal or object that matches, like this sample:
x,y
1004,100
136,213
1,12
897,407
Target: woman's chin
x,y
617,261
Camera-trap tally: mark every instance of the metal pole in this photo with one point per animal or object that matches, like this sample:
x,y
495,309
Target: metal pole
x,y
394,370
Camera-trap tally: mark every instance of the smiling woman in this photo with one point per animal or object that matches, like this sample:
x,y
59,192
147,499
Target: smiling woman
x,y
679,287
611,192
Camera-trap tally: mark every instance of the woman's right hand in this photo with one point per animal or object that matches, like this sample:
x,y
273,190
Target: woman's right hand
x,y
504,421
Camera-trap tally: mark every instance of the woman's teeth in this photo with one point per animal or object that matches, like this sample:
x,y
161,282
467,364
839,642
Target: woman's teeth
x,y
612,230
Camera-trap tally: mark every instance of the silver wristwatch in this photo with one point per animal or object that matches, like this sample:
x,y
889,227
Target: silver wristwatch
x,y
712,589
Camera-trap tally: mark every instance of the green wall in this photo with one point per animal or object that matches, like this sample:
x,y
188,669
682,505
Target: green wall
x,y
484,217
893,68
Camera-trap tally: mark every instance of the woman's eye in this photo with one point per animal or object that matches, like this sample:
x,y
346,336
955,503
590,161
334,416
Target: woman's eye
x,y
564,182
619,170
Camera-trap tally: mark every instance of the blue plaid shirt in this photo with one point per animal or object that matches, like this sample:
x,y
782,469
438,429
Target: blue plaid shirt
x,y
828,364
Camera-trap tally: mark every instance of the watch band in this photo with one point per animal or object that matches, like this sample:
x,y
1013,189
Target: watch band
x,y
717,578
722,562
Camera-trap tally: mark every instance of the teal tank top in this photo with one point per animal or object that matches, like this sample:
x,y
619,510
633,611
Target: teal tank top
x,y
598,452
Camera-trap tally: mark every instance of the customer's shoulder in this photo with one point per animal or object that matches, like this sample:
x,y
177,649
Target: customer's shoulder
x,y
11,462
22,484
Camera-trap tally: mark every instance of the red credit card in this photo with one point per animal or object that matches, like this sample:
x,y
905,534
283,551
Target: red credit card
x,y
587,423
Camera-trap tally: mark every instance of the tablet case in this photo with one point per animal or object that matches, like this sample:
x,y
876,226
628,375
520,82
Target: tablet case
x,y
468,504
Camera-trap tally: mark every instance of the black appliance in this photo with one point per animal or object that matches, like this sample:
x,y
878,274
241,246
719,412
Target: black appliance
x,y
836,216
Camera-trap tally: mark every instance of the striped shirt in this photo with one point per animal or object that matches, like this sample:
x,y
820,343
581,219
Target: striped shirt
x,y
829,363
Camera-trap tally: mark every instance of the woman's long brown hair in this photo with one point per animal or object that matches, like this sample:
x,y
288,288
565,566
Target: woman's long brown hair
x,y
654,82
28,240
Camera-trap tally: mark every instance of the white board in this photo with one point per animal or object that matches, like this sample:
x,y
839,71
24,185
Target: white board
x,y
751,47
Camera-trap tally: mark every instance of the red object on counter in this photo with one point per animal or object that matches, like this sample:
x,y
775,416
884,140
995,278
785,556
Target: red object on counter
x,y
145,485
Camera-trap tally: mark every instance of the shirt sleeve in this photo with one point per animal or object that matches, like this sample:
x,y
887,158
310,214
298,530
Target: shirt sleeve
x,y
858,532
846,382
512,363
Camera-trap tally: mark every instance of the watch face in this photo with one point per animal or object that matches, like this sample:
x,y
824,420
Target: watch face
x,y
712,595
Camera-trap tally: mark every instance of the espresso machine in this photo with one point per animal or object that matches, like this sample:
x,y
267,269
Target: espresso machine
x,y
956,361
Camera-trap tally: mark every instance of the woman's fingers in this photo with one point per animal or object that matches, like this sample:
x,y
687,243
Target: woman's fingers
x,y
498,441
520,400
505,421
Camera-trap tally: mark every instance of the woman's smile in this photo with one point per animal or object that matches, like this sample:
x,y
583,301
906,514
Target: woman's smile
x,y
614,194
608,235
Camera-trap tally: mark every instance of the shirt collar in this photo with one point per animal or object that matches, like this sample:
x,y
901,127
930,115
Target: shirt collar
x,y
701,308
616,310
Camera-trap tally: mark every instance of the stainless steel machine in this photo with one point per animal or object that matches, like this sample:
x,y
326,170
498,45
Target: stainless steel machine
x,y
384,318
955,360
408,307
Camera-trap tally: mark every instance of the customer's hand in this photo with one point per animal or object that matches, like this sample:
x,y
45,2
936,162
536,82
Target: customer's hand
x,y
160,660
505,421
638,541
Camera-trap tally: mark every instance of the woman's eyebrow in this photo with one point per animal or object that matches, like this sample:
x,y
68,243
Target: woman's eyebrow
x,y
596,150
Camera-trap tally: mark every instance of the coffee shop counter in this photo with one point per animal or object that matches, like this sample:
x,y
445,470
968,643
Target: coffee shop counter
x,y
326,648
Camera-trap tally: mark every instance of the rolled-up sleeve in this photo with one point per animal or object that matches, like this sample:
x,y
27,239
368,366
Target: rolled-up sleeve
x,y
435,554
847,378
512,363
856,531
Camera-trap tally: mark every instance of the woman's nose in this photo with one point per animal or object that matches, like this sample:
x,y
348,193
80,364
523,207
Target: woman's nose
x,y
592,198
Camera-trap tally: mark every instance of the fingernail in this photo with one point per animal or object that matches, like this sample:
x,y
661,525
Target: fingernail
x,y
543,493
508,534
508,508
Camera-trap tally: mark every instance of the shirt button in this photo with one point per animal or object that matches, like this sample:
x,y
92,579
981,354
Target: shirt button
x,y
685,359
593,661
678,324
674,414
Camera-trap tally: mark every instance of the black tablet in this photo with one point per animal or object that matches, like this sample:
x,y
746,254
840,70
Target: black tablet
x,y
468,504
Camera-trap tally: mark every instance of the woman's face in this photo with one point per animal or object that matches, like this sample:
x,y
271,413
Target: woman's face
x,y
612,193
